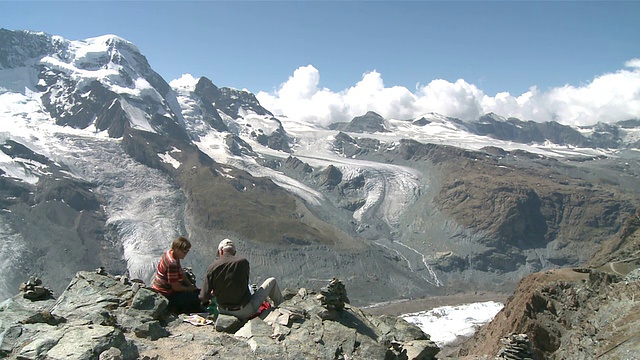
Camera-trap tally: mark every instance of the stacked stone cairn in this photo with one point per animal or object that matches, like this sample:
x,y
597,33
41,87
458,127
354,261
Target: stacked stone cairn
x,y
32,289
517,347
334,295
333,298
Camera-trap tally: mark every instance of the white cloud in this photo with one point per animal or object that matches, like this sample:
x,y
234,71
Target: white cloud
x,y
607,98
186,81
301,98
370,94
633,63
459,99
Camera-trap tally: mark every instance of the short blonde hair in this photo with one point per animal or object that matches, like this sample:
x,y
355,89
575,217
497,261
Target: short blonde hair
x,y
181,244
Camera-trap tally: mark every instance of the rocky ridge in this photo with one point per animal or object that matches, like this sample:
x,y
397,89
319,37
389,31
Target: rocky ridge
x,y
576,313
100,316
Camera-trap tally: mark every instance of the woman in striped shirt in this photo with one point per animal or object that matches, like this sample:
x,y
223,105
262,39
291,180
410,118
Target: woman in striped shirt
x,y
171,282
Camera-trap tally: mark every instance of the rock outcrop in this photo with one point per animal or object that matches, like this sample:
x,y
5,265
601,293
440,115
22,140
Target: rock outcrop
x,y
568,314
100,316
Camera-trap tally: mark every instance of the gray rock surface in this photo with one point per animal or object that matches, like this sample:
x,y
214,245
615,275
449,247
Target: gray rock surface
x,y
100,316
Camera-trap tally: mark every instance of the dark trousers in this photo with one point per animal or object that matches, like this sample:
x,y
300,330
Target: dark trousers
x,y
185,302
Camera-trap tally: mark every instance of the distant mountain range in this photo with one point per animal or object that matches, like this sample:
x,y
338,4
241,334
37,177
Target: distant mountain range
x,y
103,163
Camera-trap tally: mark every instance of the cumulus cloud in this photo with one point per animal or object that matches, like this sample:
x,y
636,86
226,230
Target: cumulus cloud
x,y
607,98
186,81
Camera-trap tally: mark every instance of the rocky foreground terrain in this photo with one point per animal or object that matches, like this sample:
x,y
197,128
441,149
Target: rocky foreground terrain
x,y
100,316
588,312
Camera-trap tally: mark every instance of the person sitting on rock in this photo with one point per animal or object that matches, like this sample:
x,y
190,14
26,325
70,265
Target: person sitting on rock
x,y
170,280
228,279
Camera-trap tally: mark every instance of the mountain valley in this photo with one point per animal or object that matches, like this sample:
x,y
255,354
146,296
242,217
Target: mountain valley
x,y
103,163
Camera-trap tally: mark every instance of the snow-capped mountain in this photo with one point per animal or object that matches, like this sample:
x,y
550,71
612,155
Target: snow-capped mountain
x,y
103,163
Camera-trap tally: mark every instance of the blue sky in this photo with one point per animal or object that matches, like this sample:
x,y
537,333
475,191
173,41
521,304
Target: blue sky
x,y
258,45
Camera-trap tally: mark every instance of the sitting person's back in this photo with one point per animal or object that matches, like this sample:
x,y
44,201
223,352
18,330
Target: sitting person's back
x,y
228,280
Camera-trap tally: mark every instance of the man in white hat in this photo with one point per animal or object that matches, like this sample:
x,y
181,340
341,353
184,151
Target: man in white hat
x,y
228,280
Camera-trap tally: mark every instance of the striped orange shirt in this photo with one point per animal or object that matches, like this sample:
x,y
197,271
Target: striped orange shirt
x,y
169,271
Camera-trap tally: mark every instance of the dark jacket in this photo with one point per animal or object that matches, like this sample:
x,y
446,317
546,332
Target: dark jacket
x,y
228,277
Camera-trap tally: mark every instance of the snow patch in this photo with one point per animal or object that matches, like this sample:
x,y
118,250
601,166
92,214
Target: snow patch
x,y
167,158
447,323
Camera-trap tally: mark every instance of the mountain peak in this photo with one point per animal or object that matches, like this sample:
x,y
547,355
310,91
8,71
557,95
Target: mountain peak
x,y
111,41
493,116
373,114
369,122
432,116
